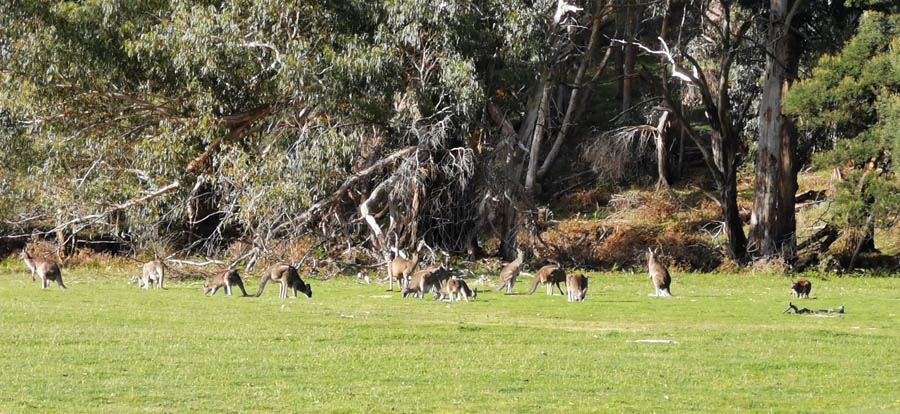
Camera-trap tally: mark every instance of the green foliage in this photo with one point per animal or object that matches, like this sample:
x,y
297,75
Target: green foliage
x,y
113,99
854,97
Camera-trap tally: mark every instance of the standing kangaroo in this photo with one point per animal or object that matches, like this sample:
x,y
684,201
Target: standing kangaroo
x,y
46,269
659,275
401,269
549,275
577,285
288,277
154,270
510,273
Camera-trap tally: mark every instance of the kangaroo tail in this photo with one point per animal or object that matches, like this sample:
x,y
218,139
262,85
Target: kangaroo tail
x,y
262,285
534,285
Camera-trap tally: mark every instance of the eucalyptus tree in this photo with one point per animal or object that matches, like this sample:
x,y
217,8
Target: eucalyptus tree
x,y
370,122
703,61
772,223
852,100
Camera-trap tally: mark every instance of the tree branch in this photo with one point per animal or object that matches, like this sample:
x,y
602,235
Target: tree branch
x,y
355,178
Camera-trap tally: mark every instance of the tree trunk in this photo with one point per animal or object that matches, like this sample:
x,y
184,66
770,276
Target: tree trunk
x,y
772,224
508,166
679,170
575,101
539,129
662,152
724,150
734,226
620,7
628,58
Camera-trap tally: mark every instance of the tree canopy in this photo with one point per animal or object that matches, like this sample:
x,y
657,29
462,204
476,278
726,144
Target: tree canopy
x,y
376,124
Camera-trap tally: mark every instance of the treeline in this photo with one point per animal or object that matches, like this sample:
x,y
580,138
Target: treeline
x,y
203,127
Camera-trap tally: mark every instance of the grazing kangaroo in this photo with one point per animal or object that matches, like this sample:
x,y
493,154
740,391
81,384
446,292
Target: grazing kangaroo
x,y
510,273
659,275
801,288
401,268
46,269
549,275
577,285
429,279
226,279
154,270
457,288
288,277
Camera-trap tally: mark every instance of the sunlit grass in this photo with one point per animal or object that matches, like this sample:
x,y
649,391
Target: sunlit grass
x,y
106,346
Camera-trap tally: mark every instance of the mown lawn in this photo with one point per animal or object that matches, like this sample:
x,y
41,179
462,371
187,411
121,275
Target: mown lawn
x,y
105,346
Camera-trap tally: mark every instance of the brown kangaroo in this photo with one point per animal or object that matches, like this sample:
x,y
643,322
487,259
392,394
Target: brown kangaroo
x,y
801,288
659,275
549,275
288,277
458,288
48,270
226,279
577,285
154,270
401,268
429,279
510,273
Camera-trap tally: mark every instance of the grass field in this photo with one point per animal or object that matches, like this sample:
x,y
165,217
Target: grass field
x,y
106,346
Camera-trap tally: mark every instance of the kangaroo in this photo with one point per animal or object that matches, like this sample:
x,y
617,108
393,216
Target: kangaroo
x,y
226,279
659,275
510,273
154,270
549,275
577,285
288,277
46,269
801,288
429,279
401,268
458,288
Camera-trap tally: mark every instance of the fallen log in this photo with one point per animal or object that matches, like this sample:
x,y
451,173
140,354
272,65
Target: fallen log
x,y
802,311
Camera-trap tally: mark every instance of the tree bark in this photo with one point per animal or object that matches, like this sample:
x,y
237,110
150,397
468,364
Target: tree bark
x,y
772,224
662,152
575,100
539,130
509,164
631,11
722,156
620,7
724,151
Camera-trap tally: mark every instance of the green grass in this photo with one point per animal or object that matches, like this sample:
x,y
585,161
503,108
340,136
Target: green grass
x,y
105,346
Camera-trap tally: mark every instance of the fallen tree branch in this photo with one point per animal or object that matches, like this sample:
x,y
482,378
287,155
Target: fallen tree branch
x,y
198,264
801,311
